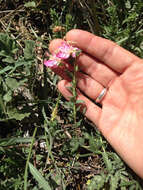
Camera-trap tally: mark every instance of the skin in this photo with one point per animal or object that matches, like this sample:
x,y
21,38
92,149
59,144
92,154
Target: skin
x,y
105,64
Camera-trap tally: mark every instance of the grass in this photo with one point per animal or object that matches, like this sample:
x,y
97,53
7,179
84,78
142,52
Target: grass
x,y
39,147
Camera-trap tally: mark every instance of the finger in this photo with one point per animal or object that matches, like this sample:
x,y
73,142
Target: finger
x,y
106,51
89,65
88,86
93,112
54,44
95,69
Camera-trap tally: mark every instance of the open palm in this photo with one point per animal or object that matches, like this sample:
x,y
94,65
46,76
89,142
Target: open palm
x,y
103,64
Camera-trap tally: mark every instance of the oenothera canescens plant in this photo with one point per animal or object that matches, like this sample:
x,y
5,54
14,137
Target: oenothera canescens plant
x,y
66,53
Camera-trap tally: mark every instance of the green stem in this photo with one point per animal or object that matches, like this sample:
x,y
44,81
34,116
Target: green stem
x,y
49,143
74,92
28,159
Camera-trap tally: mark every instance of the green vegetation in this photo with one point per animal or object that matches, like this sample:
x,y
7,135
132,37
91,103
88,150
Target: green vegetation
x,y
40,148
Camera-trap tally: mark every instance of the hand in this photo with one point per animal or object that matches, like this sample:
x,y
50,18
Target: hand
x,y
105,64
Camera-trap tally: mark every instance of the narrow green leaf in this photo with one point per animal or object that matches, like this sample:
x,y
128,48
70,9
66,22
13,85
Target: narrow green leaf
x,y
107,161
14,140
19,63
8,59
29,50
5,69
114,181
30,4
18,115
39,178
80,102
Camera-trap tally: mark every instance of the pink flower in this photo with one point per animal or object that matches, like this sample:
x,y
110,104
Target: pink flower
x,y
54,61
66,50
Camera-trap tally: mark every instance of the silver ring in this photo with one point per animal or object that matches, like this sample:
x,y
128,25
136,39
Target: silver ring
x,y
101,95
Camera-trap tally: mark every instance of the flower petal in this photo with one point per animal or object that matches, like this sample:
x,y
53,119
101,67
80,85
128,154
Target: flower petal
x,y
50,63
63,55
